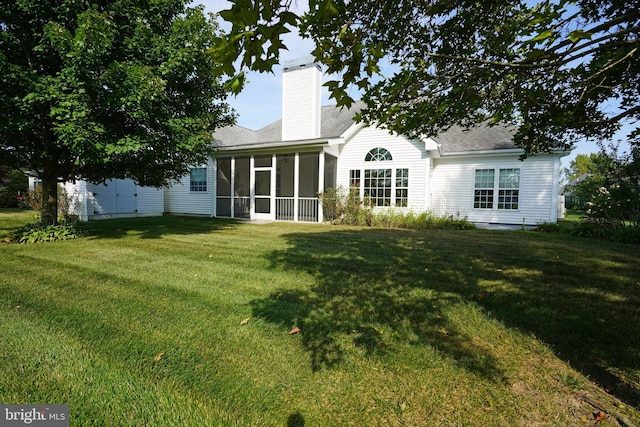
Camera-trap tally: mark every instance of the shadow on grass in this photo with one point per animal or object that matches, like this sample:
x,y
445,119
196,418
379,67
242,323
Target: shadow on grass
x,y
156,227
376,288
371,294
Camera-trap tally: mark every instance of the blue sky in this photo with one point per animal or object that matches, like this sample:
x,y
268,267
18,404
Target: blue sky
x,y
260,101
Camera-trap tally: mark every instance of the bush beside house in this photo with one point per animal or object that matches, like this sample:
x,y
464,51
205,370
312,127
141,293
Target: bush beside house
x,y
13,187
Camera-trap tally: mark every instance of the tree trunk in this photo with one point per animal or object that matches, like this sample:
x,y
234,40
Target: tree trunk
x,y
49,210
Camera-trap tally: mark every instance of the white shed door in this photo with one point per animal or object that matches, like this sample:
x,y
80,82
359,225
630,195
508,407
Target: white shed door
x,y
115,196
125,196
105,197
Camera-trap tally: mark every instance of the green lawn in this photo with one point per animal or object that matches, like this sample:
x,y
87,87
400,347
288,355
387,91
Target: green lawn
x,y
142,324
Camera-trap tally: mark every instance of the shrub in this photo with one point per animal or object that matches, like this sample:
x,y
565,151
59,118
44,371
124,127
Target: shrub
x,y
612,188
421,221
38,233
66,229
66,204
345,207
332,204
606,229
8,199
12,188
548,227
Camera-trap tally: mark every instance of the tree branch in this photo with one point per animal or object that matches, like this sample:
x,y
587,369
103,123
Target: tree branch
x,y
514,64
613,64
600,28
596,49
577,51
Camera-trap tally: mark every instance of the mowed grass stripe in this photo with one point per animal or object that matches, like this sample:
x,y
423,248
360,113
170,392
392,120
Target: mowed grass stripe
x,y
140,324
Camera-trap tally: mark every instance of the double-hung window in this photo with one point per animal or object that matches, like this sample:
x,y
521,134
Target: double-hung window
x,y
509,188
198,179
402,188
505,184
483,192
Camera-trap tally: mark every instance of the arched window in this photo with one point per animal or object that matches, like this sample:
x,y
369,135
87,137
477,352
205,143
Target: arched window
x,y
381,184
378,154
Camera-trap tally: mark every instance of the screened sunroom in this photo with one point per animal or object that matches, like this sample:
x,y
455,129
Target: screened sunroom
x,y
273,186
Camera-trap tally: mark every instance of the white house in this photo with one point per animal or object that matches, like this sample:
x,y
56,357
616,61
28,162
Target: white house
x,y
276,173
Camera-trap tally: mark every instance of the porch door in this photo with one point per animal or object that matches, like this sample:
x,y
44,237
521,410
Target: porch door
x,y
264,187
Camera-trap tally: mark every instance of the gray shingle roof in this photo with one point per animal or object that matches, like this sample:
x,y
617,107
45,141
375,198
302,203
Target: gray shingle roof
x,y
335,121
478,138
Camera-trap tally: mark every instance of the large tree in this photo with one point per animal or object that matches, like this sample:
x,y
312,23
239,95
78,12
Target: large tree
x,y
107,89
562,70
581,165
612,188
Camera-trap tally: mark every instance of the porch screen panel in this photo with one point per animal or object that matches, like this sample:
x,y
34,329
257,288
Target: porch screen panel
x,y
223,207
285,175
223,188
330,171
242,188
223,180
262,161
309,168
285,187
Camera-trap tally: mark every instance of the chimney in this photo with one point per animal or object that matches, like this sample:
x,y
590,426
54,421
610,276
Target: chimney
x,y
301,82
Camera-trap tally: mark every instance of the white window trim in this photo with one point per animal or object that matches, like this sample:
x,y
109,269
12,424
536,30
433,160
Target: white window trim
x,y
206,180
394,187
496,189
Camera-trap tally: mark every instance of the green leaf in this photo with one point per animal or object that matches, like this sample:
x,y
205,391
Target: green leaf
x,y
577,35
327,9
237,83
542,36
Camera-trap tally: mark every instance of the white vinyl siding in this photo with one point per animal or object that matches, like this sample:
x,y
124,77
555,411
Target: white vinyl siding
x,y
301,95
178,199
150,201
77,192
453,188
407,155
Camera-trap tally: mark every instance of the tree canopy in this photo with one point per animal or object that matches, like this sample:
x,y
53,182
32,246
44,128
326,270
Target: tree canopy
x,y
562,70
611,188
582,164
107,89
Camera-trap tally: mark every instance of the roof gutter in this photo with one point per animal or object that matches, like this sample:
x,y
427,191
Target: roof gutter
x,y
500,152
277,145
506,151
